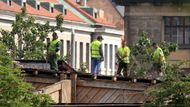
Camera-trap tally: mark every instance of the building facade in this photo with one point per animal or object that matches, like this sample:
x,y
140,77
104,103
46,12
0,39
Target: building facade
x,y
77,23
163,20
106,10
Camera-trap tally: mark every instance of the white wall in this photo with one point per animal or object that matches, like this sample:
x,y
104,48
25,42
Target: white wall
x,y
82,34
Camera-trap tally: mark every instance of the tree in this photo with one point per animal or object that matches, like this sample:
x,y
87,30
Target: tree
x,y
173,92
141,53
14,91
31,36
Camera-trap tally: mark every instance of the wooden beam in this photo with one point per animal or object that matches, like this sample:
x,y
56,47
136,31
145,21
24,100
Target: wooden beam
x,y
55,87
73,87
41,80
52,88
113,85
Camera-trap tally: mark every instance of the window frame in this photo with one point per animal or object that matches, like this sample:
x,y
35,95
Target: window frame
x,y
182,26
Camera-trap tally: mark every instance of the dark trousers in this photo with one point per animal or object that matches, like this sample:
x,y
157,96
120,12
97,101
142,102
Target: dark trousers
x,y
157,67
53,62
122,67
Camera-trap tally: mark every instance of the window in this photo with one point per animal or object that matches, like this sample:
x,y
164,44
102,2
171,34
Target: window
x,y
177,30
87,54
68,47
110,56
95,15
105,55
9,2
38,7
76,55
24,4
51,9
65,11
62,48
116,48
81,53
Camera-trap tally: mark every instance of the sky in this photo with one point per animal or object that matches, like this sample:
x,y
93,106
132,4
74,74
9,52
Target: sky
x,y
121,9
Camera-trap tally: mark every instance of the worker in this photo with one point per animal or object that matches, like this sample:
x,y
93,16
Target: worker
x,y
53,49
123,55
96,56
158,59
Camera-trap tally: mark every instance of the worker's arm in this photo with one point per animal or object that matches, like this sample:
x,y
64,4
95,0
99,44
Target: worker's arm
x,y
101,52
58,46
161,56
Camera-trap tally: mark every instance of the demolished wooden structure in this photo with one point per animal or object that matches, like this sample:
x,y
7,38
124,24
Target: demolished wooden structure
x,y
72,87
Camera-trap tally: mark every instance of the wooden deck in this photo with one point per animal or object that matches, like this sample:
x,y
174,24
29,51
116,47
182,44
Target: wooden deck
x,y
71,87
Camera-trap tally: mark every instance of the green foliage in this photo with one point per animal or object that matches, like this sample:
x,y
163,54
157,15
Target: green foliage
x,y
83,68
14,92
173,92
31,35
67,58
168,47
141,53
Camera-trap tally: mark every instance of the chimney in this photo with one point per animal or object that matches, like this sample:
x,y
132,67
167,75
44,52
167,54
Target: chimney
x,y
101,13
48,6
34,4
20,2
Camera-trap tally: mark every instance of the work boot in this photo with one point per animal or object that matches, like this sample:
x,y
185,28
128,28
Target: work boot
x,y
114,78
153,82
55,75
94,77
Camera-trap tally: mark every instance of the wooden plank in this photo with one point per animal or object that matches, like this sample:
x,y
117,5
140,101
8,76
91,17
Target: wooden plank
x,y
107,95
41,80
79,89
89,95
119,99
53,87
73,87
98,96
113,85
66,92
131,96
114,96
83,94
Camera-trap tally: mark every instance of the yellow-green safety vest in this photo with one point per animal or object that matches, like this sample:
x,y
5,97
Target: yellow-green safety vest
x,y
95,48
52,46
156,56
122,53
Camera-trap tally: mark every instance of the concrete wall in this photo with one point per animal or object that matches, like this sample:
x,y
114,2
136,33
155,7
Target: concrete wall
x,y
149,18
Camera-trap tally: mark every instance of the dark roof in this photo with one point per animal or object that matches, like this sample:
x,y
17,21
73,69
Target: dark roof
x,y
134,2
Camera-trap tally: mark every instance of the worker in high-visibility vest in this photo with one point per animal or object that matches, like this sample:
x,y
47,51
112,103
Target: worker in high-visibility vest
x,y
53,49
123,55
158,59
96,56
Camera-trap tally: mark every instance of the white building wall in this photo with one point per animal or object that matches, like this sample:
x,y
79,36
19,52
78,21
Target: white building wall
x,y
82,34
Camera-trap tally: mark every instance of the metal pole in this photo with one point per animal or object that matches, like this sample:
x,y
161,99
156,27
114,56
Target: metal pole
x,y
73,59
